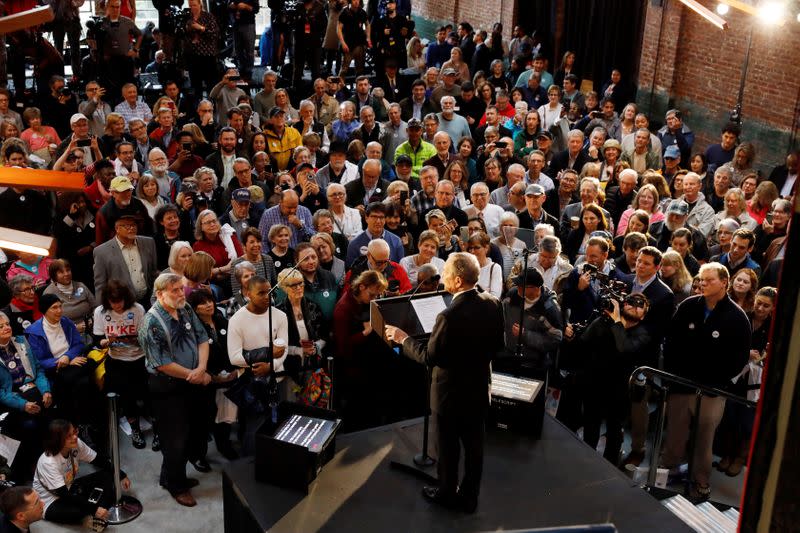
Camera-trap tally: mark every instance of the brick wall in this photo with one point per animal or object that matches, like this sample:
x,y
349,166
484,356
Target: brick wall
x,y
480,13
697,68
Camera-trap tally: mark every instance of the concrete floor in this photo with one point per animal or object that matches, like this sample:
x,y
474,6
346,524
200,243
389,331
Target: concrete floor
x,y
161,513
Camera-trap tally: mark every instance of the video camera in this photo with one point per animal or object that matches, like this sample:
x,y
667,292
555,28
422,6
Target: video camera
x,y
178,18
610,289
95,29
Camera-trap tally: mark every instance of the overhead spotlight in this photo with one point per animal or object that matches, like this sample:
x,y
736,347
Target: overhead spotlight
x,y
798,17
772,13
722,9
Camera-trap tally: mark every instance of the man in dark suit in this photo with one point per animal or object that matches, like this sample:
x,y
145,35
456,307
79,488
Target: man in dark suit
x,y
781,173
128,258
565,193
416,105
395,87
370,188
534,214
656,322
444,199
463,342
573,157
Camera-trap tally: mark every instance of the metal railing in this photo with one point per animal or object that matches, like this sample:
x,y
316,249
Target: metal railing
x,y
700,391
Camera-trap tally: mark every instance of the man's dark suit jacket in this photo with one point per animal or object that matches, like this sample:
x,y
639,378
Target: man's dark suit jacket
x,y
526,222
778,177
407,108
464,340
355,193
662,306
553,206
560,161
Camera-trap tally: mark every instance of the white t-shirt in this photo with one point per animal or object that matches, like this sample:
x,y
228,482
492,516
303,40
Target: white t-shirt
x,y
248,331
123,328
54,472
491,279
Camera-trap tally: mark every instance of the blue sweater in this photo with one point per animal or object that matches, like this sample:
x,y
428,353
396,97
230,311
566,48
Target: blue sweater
x,y
8,397
41,347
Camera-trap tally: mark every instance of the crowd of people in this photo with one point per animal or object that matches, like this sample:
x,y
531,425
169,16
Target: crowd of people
x,y
226,239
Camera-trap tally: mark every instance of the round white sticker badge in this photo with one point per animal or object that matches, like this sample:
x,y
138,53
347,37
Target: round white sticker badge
x,y
715,334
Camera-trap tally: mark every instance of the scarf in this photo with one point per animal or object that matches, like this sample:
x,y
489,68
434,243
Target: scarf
x,y
67,290
225,234
22,306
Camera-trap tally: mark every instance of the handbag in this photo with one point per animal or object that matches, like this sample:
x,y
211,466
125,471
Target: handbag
x,y
317,390
248,393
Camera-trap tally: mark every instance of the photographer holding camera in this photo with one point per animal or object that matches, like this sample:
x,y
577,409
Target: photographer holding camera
x,y
610,348
117,40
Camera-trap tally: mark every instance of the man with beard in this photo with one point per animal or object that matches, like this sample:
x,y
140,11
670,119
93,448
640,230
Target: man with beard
x,y
168,182
221,161
176,347
338,169
122,203
125,164
677,215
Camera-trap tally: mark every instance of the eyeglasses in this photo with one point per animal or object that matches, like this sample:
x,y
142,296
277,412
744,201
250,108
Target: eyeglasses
x,y
211,222
26,289
296,285
336,194
129,225
379,262
474,248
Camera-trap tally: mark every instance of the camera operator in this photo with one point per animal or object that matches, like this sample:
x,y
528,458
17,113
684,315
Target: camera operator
x,y
541,328
117,40
610,348
201,48
244,35
59,105
166,25
390,33
310,23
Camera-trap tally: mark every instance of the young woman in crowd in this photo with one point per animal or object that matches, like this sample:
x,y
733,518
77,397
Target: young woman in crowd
x,y
591,219
742,163
639,222
66,497
25,395
682,242
220,412
491,274
282,255
254,253
457,173
114,134
743,287
550,112
485,93
646,200
567,66
662,188
456,62
428,246
466,152
415,57
676,276
324,246
766,192
116,324
76,298
394,225
627,120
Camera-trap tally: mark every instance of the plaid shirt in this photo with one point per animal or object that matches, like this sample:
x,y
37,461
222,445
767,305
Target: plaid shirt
x,y
274,216
140,111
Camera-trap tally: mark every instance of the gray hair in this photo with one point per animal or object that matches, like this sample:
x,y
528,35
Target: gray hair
x,y
782,204
730,224
464,266
724,170
18,281
434,213
164,280
576,133
3,315
242,161
551,244
509,216
306,103
546,228
378,244
155,151
239,268
365,108
428,269
594,181
446,98
201,171
175,249
517,168
198,225
478,185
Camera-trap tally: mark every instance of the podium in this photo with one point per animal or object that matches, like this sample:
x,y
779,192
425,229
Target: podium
x,y
402,312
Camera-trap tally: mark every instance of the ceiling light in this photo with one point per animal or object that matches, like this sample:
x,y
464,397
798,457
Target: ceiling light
x,y
722,9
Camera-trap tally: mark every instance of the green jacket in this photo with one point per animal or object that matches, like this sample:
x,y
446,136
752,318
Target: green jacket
x,y
424,151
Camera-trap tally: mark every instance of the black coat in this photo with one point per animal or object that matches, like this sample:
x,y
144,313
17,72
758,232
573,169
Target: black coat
x,y
560,161
526,221
657,319
710,350
465,339
355,193
553,206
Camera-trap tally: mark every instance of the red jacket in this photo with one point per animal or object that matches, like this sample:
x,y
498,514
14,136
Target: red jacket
x,y
393,272
216,249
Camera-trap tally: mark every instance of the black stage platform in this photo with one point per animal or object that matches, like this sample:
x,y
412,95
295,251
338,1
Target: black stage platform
x,y
555,481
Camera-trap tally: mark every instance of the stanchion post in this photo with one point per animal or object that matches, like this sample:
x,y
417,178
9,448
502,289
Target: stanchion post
x,y
125,508
423,459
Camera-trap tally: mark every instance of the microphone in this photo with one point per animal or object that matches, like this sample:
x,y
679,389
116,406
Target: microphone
x,y
433,279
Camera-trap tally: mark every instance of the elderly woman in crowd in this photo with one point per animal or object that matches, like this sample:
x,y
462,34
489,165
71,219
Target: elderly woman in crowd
x,y
591,219
116,324
491,274
325,222
322,287
23,310
324,246
308,329
676,276
437,222
58,346
39,137
180,253
77,299
209,189
647,200
507,242
222,375
724,236
428,246
736,209
343,127
282,255
743,287
242,272
169,230
114,134
221,243
25,395
147,192
35,266
254,254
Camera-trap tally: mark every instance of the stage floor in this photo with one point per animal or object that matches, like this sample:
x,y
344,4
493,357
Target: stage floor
x,y
554,481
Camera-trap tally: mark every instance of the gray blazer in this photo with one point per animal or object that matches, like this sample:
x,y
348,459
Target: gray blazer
x,y
110,264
